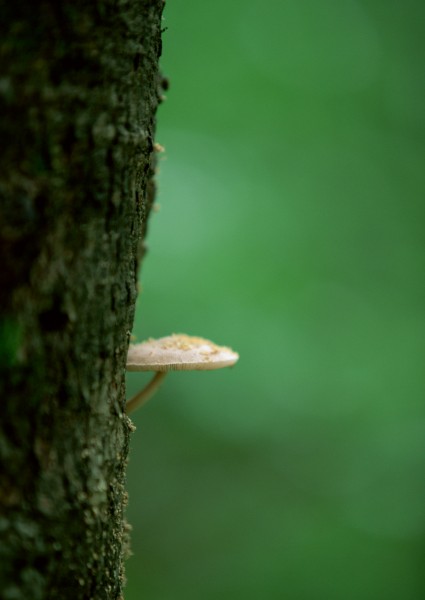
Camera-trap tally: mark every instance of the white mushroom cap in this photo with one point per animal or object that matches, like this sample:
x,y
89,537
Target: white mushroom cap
x,y
179,352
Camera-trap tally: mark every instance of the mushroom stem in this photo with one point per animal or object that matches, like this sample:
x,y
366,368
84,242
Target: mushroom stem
x,y
143,396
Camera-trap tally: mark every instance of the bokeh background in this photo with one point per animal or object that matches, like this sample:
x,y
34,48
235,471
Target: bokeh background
x,y
291,227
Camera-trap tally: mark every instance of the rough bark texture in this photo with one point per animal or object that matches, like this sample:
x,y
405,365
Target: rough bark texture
x,y
79,87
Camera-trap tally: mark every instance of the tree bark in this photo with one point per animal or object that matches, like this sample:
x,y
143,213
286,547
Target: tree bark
x,y
79,87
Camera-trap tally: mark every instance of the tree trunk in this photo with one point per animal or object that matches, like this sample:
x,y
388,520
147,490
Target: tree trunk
x,y
79,87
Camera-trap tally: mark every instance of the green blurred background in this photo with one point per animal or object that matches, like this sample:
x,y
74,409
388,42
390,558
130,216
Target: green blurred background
x,y
291,228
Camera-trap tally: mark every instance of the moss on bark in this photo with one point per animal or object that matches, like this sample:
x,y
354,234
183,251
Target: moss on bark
x,y
79,89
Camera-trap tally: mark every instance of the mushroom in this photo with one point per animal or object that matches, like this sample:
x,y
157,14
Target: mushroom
x,y
177,352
